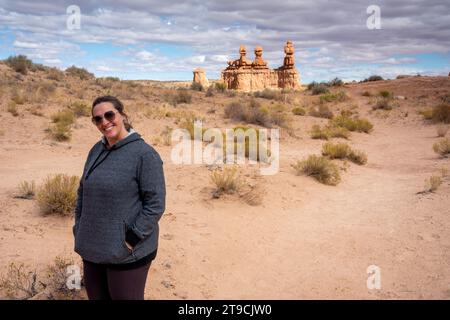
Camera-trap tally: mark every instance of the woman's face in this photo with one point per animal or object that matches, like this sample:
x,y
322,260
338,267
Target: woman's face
x,y
111,129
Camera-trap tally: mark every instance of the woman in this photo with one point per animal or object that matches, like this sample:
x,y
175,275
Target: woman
x,y
121,198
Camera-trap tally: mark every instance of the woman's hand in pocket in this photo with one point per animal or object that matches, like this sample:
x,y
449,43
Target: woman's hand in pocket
x,y
129,246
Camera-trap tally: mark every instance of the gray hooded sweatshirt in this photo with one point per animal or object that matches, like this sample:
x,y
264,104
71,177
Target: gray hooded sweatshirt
x,y
121,197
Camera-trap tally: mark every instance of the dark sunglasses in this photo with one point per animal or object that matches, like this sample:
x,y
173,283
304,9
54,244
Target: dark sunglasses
x,y
108,115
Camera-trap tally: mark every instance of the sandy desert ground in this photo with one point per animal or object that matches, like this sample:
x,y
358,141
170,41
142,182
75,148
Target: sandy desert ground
x,y
305,240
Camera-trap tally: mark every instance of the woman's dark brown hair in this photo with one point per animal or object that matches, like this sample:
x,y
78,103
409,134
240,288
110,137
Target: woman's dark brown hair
x,y
117,104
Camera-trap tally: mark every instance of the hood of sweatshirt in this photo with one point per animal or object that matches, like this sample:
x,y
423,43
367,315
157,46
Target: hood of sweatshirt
x,y
104,152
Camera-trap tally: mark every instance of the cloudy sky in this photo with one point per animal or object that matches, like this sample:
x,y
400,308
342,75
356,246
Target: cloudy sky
x,y
166,40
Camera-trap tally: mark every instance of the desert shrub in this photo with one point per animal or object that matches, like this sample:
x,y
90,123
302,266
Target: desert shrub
x,y
299,111
36,110
383,104
210,92
320,168
442,131
60,131
196,86
18,96
432,184
20,63
252,112
55,74
441,113
328,132
180,96
333,97
385,94
343,151
344,120
268,94
322,111
358,157
318,88
336,82
366,94
442,147
318,133
225,181
19,282
81,73
336,150
58,194
12,108
220,86
374,78
65,117
427,114
79,109
27,190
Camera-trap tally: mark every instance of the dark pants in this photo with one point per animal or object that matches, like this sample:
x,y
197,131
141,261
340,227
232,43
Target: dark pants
x,y
105,283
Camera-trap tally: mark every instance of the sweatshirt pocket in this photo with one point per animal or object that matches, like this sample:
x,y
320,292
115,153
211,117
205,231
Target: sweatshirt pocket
x,y
101,240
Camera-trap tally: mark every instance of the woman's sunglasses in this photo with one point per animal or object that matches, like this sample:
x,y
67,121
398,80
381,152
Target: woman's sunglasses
x,y
108,115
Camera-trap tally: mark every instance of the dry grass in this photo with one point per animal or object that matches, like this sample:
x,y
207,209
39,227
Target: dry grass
x,y
299,111
58,194
322,111
79,109
12,108
27,190
442,147
20,282
329,132
333,97
57,276
226,181
345,120
441,131
343,151
439,113
320,168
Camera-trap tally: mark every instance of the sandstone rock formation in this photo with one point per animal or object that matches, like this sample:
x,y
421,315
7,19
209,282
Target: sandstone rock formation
x,y
243,75
200,77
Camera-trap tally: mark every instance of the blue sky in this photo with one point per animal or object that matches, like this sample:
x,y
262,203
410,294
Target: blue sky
x,y
166,41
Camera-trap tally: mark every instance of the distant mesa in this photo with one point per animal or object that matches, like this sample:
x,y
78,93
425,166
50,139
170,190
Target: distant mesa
x,y
245,75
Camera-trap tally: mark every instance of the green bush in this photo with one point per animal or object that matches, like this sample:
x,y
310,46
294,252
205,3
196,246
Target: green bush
x,y
320,168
